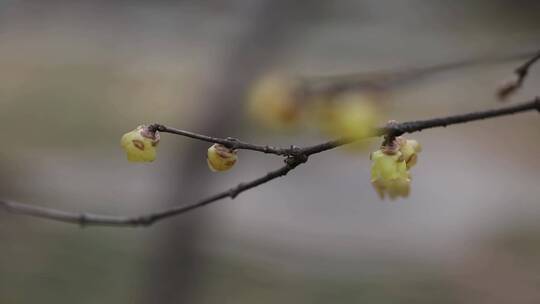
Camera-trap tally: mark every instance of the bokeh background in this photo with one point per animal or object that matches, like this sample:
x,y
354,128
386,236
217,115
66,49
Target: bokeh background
x,y
76,75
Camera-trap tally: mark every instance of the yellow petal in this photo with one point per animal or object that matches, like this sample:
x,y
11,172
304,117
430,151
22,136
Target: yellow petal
x,y
350,115
273,102
220,158
409,149
139,145
390,175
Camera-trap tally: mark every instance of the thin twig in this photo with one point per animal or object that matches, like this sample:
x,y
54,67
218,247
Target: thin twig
x,y
523,70
513,84
85,219
295,157
381,80
229,142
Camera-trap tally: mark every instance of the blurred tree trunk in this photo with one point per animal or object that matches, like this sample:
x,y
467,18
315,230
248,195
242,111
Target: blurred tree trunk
x,y
269,26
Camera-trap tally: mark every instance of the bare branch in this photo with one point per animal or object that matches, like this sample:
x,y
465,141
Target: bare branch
x,y
231,143
382,80
514,83
84,219
294,157
524,68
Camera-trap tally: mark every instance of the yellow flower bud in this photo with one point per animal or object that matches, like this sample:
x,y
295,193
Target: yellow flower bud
x,y
140,144
389,175
350,115
273,102
220,158
409,149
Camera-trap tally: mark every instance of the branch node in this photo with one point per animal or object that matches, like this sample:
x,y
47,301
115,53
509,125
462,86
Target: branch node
x,y
232,143
297,157
233,192
394,129
295,150
156,127
83,220
144,220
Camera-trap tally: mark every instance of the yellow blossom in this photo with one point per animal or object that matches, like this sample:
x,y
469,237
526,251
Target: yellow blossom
x,y
390,169
409,149
220,158
140,144
389,175
351,115
273,102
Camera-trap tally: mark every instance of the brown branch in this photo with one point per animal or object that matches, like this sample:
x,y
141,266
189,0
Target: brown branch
x,y
382,80
514,83
523,70
295,157
229,142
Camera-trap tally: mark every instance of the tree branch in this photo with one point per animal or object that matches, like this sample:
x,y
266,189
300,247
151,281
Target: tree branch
x,y
513,84
231,143
294,157
523,70
381,80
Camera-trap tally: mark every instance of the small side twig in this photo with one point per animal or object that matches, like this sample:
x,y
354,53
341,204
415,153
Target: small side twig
x,y
391,79
231,143
514,83
295,156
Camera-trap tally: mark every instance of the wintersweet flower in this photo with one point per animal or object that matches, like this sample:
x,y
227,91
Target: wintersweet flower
x,y
352,115
390,169
273,102
220,158
409,149
140,144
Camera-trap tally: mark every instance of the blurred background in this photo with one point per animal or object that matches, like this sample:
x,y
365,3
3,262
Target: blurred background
x,y
76,75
